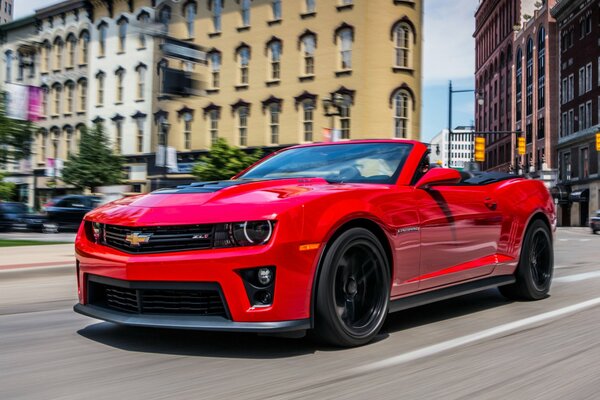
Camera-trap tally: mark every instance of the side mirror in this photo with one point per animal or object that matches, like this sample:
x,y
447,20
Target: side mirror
x,y
438,177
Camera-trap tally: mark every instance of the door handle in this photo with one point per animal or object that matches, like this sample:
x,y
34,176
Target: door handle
x,y
490,203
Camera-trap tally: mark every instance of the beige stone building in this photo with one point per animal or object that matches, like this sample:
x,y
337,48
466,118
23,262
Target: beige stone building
x,y
273,65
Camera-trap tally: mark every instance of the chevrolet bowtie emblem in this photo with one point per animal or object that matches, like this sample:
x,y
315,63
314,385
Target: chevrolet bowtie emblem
x,y
137,238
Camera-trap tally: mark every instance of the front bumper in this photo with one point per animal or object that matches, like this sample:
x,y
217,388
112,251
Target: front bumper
x,y
190,322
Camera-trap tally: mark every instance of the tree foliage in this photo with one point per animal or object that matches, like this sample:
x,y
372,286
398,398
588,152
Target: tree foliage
x,y
223,162
96,164
6,189
16,137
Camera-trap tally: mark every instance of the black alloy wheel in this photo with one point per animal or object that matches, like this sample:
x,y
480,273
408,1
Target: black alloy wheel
x,y
353,290
536,265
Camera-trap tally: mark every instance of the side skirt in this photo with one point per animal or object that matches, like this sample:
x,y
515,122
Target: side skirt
x,y
449,292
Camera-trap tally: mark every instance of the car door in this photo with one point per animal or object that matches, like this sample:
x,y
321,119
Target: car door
x,y
460,228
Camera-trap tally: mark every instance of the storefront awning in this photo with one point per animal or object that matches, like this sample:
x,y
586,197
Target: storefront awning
x,y
580,196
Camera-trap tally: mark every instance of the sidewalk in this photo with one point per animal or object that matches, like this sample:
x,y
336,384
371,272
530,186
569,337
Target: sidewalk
x,y
20,257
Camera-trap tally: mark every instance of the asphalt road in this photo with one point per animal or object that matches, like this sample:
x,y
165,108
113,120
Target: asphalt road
x,y
479,346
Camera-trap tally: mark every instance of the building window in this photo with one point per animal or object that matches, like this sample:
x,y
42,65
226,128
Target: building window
x,y
245,13
58,49
100,85
141,81
345,117
519,83
276,8
529,82
542,68
588,114
584,163
43,146
102,29
588,77
215,69
308,54
46,50
275,60
402,40
122,34
72,50
144,19
70,98
9,64
243,56
57,90
69,140
84,42
581,81
402,107
82,95
213,132
217,13
310,6
567,166
187,131
119,80
274,112
541,128
20,66
308,111
243,125
345,48
118,136
164,16
140,135
45,94
190,18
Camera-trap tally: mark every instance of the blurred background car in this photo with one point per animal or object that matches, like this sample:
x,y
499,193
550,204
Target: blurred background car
x,y
66,212
18,216
595,222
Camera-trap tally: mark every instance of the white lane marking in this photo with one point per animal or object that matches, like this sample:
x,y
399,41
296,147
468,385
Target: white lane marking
x,y
464,340
578,277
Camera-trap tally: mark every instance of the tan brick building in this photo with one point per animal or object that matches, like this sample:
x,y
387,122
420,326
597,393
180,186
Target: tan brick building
x,y
271,64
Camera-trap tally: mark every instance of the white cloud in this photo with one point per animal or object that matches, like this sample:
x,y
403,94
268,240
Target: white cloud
x,y
449,46
28,7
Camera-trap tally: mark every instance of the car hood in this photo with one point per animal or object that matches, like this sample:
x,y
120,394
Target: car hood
x,y
223,201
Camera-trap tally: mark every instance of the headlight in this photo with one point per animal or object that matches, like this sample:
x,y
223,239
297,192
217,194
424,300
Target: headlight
x,y
252,233
96,230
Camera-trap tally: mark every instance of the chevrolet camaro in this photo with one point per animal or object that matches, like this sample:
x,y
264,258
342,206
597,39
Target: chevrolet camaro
x,y
327,237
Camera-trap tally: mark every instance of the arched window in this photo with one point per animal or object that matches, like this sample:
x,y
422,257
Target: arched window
x,y
243,59
215,68
70,98
118,145
71,50
187,118
541,67
58,53
164,17
122,24
45,95
56,91
275,59
308,111
242,113
69,136
402,114
529,78
84,42
217,6
190,17
402,40
213,126
43,137
245,10
345,117
83,88
143,18
119,81
102,30
274,113
141,81
46,50
100,78
345,37
8,57
309,43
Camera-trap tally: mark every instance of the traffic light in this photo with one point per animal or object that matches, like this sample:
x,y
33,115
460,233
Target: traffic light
x,y
521,145
598,141
480,149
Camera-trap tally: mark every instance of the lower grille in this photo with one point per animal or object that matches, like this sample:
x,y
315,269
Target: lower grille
x,y
156,297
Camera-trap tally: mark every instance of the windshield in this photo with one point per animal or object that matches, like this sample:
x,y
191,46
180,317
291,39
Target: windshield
x,y
348,163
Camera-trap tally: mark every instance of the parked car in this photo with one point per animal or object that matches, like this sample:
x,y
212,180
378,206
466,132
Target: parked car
x,y
11,215
66,212
595,222
330,237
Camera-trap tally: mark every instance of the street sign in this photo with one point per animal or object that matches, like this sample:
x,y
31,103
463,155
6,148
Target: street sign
x,y
598,141
521,146
480,149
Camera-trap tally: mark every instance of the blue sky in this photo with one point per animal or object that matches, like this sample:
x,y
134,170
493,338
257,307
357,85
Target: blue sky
x,y
449,54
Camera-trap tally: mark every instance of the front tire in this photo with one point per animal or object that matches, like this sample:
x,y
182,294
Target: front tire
x,y
353,290
536,265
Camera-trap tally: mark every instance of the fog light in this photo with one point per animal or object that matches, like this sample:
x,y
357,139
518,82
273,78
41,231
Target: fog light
x,y
263,297
265,276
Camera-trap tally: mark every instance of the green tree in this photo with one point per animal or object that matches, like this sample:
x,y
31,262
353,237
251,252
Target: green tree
x,y
223,162
16,136
6,189
96,164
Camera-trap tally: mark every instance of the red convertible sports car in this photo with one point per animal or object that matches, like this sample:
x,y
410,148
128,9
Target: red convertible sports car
x,y
329,237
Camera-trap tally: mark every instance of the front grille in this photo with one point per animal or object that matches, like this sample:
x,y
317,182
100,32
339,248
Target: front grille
x,y
154,239
156,297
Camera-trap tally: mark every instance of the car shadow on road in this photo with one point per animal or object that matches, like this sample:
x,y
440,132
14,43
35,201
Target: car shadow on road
x,y
252,346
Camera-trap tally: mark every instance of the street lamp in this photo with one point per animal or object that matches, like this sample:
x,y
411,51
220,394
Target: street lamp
x,y
165,126
335,102
450,93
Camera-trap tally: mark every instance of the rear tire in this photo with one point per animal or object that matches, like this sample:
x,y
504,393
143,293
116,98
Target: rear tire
x,y
536,265
353,291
